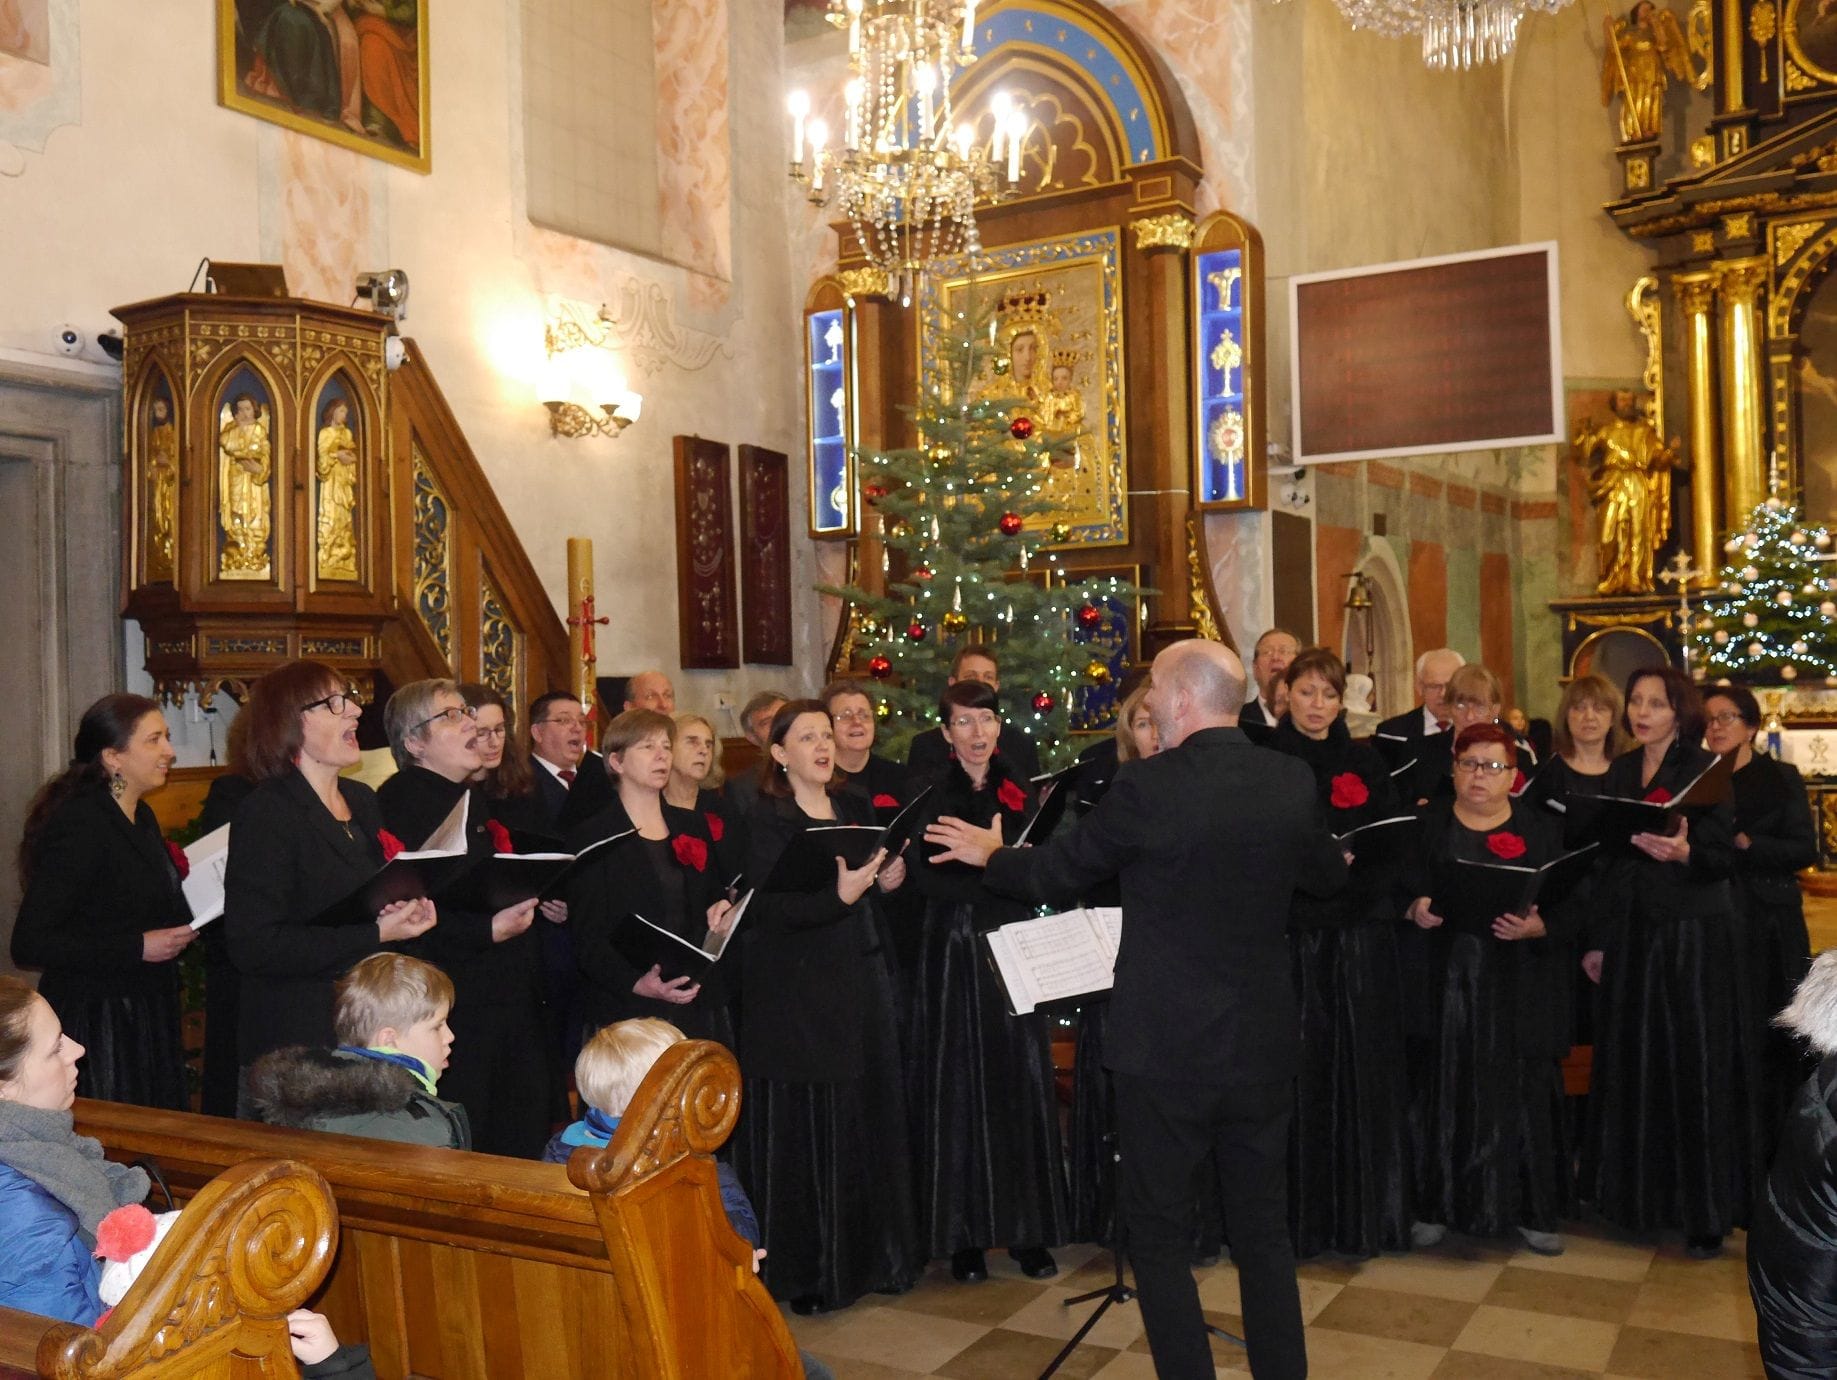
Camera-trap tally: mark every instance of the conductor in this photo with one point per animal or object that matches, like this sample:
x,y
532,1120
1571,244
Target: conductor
x,y
1210,839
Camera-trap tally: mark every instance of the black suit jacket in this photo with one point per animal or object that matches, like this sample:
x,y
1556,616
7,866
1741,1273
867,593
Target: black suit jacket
x,y
929,754
1399,739
1211,840
289,861
98,884
1771,808
591,792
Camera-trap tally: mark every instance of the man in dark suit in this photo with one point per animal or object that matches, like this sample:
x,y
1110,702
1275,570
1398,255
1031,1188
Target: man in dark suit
x,y
1269,661
1210,839
1399,740
571,781
928,753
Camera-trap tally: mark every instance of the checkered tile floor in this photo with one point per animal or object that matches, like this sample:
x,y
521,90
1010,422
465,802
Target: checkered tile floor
x,y
1612,1305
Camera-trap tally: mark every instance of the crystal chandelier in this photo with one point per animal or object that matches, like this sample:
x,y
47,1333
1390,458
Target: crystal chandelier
x,y
1456,34
906,175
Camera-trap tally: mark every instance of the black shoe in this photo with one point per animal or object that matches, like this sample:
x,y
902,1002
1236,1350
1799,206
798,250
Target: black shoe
x,y
1036,1262
806,1304
1703,1247
967,1266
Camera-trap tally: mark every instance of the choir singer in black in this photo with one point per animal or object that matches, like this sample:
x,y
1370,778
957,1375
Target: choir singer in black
x,y
1210,839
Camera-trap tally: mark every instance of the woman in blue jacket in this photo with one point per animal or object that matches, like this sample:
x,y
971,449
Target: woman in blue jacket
x,y
55,1185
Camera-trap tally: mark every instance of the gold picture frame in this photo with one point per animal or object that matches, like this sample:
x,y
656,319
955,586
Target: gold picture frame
x,y
356,78
1811,39
1067,295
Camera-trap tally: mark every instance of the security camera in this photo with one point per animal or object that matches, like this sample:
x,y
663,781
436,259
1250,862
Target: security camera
x,y
111,344
69,341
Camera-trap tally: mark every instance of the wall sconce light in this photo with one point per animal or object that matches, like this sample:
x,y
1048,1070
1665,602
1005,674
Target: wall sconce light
x,y
584,392
386,290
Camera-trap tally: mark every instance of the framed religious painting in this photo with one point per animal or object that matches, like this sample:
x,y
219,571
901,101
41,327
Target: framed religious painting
x,y
1053,312
353,72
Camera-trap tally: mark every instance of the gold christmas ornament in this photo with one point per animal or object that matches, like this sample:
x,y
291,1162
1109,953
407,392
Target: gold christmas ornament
x,y
1096,672
953,622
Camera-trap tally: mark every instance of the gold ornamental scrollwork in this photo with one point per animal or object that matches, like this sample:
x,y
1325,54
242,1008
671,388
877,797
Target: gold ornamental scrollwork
x,y
1763,23
1796,80
862,282
1739,226
1796,50
1789,239
1643,306
1171,231
1199,588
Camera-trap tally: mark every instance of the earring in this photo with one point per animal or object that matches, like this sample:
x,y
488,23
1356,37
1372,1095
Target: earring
x,y
116,786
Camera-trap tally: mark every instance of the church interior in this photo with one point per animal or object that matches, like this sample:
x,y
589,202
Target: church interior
x,y
665,351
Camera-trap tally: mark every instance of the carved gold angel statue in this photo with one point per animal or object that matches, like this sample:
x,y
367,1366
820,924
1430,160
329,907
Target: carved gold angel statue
x,y
1640,48
245,503
162,489
337,471
1630,482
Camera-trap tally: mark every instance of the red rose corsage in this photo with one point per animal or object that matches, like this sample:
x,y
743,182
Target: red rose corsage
x,y
1505,845
179,860
690,851
500,837
717,827
1011,796
1349,791
391,844
883,801
1658,795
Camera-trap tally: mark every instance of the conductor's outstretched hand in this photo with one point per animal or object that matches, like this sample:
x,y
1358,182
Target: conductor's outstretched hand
x,y
964,842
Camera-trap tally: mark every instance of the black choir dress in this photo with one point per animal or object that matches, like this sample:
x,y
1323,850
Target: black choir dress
x,y
222,983
1486,1124
498,1069
1673,1136
1771,808
1554,789
1349,1161
822,1141
670,882
986,1145
99,883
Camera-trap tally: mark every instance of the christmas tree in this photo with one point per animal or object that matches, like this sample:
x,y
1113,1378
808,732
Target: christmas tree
x,y
967,523
1771,616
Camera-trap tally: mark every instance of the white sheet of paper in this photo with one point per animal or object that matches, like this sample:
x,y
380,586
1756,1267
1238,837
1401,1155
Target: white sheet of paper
x,y
209,858
449,840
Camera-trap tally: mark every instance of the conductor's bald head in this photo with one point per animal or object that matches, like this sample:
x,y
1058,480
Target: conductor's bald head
x,y
1197,684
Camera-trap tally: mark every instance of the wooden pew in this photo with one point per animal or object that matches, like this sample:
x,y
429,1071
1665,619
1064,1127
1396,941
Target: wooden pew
x,y
213,1301
455,1265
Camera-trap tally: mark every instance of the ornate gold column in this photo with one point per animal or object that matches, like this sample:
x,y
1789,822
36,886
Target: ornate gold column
x,y
1696,295
1168,477
1744,466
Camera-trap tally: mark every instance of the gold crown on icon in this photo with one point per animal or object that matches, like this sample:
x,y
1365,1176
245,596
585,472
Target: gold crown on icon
x,y
1067,359
1024,307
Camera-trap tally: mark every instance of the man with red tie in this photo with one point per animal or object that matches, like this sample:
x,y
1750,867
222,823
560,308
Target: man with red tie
x,y
1400,739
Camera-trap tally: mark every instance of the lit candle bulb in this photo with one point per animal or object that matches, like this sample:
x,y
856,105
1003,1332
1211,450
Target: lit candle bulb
x,y
966,140
798,103
924,80
999,106
969,25
1017,133
854,26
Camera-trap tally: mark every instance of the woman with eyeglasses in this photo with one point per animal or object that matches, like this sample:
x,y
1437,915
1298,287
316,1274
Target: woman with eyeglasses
x,y
822,1144
1474,696
1774,840
304,840
1489,1156
990,1168
1673,1136
102,913
499,1071
1349,1164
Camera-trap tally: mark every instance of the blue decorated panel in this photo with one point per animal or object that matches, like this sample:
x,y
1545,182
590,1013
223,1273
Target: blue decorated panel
x,y
831,486
1218,383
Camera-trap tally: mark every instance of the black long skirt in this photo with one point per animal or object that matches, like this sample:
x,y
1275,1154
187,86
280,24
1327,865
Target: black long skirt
x,y
1091,1154
825,1166
1778,953
986,1146
1673,1134
134,1050
1349,1159
1489,1153
499,1072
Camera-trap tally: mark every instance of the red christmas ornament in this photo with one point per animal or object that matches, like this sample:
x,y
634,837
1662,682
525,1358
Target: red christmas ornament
x,y
1089,616
922,574
916,631
1010,524
879,667
1021,428
873,491
1043,703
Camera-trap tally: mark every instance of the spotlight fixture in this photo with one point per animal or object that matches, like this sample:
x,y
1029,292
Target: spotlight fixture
x,y
386,290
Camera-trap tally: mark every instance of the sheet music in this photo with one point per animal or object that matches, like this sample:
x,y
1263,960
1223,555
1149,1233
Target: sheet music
x,y
209,859
1109,921
716,944
1055,956
449,840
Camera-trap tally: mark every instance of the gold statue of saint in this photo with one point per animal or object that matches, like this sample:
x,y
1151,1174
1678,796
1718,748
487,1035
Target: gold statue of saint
x,y
245,502
337,471
1639,50
1629,474
162,490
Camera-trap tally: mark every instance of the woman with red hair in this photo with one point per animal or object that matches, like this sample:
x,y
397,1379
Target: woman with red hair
x,y
1489,1157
